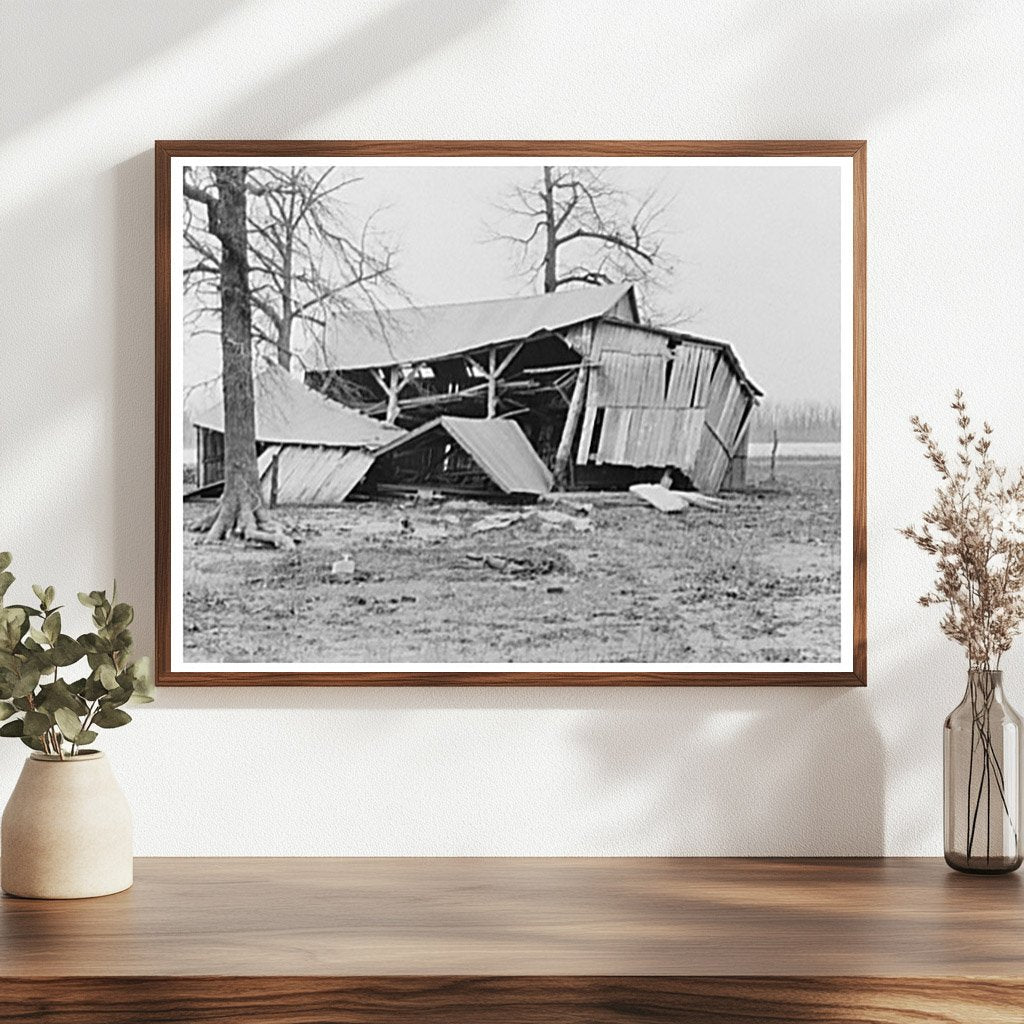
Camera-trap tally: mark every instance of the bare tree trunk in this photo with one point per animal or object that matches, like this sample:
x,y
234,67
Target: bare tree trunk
x,y
550,239
241,507
284,340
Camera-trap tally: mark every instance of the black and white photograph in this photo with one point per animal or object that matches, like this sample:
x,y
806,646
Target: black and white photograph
x,y
516,414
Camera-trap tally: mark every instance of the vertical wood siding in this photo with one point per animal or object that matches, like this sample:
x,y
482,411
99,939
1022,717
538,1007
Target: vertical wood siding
x,y
682,406
313,475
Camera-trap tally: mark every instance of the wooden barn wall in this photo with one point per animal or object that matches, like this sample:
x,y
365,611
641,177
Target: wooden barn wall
x,y
580,337
725,417
735,478
661,408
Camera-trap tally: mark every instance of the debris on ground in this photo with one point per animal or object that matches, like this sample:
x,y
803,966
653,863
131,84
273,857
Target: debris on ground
x,y
343,569
665,500
549,519
523,565
555,520
266,539
497,521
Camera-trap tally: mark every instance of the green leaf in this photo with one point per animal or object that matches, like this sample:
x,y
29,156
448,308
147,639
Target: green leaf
x,y
6,710
31,741
51,626
59,695
13,728
142,682
108,718
28,610
50,594
36,723
5,560
38,635
115,698
94,645
27,681
66,651
13,625
122,616
86,736
69,724
94,689
6,579
107,676
40,593
89,600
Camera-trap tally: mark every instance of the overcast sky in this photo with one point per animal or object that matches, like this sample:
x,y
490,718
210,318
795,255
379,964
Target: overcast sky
x,y
759,250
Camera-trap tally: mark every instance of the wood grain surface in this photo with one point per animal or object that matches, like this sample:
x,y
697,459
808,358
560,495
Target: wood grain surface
x,y
312,940
511,1000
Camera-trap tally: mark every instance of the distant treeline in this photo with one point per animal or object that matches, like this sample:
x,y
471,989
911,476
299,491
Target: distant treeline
x,y
795,421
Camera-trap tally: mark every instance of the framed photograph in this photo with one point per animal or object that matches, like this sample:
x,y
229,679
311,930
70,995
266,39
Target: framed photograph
x,y
510,413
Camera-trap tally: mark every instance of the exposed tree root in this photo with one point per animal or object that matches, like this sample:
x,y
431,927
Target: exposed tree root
x,y
241,519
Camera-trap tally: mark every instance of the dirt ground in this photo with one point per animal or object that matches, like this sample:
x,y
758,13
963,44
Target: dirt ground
x,y
604,579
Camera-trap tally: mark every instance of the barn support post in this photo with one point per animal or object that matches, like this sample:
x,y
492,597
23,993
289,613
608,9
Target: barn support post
x,y
200,482
492,382
394,379
572,420
392,386
492,374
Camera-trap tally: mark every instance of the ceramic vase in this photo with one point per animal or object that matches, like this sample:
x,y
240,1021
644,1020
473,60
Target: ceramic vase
x,y
66,832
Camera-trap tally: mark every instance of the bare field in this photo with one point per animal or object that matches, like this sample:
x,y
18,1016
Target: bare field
x,y
619,582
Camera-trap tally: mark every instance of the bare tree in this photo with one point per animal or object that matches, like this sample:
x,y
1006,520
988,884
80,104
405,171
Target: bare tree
x,y
241,507
308,257
575,226
284,234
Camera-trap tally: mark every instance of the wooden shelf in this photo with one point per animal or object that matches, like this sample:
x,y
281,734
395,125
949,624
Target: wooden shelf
x,y
282,941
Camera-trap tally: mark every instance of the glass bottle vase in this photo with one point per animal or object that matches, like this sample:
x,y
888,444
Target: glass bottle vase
x,y
981,771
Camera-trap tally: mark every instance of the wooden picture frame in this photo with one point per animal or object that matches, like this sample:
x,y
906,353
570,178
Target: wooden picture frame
x,y
849,155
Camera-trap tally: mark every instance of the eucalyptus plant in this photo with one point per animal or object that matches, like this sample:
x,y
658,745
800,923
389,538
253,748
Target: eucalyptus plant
x,y
37,704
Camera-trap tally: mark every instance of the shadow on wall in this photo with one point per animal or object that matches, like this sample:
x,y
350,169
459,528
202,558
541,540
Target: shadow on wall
x,y
738,771
387,44
395,39
117,35
827,67
687,772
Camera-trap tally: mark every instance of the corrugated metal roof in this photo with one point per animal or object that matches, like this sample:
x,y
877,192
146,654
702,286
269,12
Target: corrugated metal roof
x,y
503,452
498,446
288,412
364,339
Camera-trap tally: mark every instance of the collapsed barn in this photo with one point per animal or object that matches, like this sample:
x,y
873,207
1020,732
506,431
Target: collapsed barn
x,y
603,400
310,450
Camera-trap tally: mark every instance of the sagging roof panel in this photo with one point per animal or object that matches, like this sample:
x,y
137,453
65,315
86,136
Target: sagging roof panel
x,y
364,340
499,447
503,453
288,412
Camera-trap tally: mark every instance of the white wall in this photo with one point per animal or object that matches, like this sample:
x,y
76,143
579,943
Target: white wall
x,y
937,89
